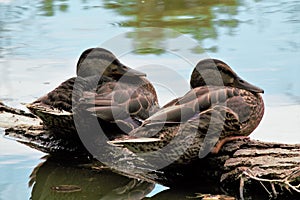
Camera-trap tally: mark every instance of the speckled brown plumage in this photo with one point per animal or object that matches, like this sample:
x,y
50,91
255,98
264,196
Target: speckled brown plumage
x,y
103,86
191,126
129,97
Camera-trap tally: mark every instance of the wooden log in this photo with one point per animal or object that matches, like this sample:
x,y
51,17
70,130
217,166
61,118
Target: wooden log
x,y
244,168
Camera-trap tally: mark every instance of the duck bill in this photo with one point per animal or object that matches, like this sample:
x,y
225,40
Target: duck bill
x,y
242,84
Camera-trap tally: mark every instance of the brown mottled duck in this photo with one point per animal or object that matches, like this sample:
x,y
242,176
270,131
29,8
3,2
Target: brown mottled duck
x,y
104,87
219,108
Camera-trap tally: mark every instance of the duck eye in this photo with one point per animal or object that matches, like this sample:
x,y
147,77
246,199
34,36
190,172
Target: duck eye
x,y
242,81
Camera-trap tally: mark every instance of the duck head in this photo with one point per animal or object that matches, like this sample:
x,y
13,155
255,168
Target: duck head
x,y
99,61
217,73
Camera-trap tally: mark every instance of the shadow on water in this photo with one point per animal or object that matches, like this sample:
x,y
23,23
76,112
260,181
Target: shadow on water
x,y
73,179
54,179
58,178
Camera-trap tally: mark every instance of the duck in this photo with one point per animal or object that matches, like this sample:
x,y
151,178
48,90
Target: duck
x,y
220,107
114,93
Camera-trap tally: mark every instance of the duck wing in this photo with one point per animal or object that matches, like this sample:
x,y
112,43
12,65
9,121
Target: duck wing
x,y
195,101
213,125
60,98
56,108
209,126
115,101
70,91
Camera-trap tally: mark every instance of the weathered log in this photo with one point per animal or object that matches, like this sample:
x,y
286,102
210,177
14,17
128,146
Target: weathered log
x,y
245,168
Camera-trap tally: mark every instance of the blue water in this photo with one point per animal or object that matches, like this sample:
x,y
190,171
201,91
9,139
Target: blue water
x,y
40,42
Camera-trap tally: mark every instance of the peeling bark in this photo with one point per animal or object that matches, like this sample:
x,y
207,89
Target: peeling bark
x,y
246,168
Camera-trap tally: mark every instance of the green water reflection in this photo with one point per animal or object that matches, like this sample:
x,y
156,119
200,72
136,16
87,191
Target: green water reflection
x,y
197,18
49,7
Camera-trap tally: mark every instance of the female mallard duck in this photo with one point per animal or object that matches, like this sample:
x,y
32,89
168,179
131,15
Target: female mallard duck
x,y
220,107
103,87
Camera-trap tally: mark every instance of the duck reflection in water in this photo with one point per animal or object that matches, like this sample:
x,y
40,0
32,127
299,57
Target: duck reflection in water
x,y
70,179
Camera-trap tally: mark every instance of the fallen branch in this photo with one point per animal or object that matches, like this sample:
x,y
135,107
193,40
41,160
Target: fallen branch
x,y
246,168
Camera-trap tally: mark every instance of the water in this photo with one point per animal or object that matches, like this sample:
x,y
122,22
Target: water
x,y
40,42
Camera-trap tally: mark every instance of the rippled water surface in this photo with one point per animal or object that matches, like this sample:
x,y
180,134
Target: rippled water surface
x,y
40,42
